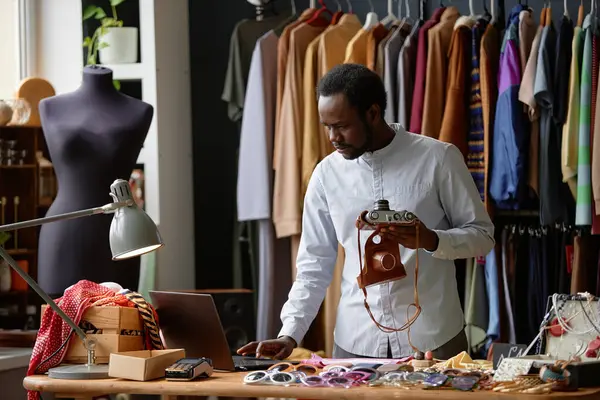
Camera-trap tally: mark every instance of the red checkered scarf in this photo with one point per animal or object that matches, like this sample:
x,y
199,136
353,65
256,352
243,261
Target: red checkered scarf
x,y
54,331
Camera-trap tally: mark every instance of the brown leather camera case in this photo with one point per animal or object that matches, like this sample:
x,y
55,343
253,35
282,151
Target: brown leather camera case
x,y
382,264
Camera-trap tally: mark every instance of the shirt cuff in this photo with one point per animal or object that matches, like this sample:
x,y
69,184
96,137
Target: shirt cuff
x,y
443,247
292,332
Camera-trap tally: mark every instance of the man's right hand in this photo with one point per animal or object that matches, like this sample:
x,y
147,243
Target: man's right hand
x,y
277,349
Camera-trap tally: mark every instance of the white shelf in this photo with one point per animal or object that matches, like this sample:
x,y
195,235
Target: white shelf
x,y
127,71
141,157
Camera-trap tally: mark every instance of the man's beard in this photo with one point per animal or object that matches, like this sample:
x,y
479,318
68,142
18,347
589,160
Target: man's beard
x,y
359,151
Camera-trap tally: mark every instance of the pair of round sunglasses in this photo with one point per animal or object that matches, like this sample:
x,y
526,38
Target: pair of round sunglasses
x,y
270,378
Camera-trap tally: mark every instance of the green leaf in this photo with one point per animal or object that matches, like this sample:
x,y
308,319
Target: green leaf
x,y
117,84
90,11
100,13
87,41
109,22
4,236
115,3
102,45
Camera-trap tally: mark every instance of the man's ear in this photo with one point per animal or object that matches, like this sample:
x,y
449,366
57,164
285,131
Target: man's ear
x,y
373,114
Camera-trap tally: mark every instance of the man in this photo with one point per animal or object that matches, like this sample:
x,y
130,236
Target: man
x,y
415,173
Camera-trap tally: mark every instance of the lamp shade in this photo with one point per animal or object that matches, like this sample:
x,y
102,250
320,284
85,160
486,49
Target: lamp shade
x,y
132,231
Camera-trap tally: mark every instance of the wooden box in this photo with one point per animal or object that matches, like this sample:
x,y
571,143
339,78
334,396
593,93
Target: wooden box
x,y
113,321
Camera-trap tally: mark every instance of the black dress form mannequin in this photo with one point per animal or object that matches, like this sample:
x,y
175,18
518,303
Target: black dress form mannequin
x,y
94,136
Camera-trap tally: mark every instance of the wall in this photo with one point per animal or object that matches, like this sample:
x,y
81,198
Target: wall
x,y
9,67
58,40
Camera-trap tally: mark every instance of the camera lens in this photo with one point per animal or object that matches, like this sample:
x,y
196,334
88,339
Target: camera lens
x,y
382,205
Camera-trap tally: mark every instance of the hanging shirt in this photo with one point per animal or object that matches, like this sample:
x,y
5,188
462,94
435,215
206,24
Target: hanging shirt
x,y
475,140
490,54
406,75
583,212
527,32
356,51
595,54
552,204
570,139
438,39
287,198
376,35
416,116
390,71
414,173
255,182
454,126
256,137
510,139
380,50
331,52
243,39
595,151
527,96
283,46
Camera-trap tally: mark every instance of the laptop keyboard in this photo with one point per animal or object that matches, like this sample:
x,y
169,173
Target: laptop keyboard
x,y
252,363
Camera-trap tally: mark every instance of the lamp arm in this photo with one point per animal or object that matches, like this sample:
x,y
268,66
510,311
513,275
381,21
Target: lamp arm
x,y
33,284
105,209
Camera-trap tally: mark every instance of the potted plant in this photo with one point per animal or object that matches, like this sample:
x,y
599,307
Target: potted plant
x,y
115,43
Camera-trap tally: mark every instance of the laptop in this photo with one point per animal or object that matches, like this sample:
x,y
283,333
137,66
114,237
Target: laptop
x,y
190,321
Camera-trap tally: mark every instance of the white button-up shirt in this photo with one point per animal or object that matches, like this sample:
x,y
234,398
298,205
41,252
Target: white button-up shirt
x,y
414,173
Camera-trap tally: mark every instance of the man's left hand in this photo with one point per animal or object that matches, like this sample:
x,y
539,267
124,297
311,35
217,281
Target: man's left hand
x,y
407,236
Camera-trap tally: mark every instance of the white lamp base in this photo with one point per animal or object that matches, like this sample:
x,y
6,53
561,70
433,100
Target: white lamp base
x,y
80,371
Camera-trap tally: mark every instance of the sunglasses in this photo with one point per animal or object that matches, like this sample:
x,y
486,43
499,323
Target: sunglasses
x,y
306,369
270,378
336,378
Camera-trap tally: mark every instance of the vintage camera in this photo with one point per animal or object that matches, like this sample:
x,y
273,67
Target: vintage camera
x,y
381,214
382,261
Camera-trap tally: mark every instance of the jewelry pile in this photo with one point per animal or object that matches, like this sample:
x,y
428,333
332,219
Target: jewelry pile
x,y
479,376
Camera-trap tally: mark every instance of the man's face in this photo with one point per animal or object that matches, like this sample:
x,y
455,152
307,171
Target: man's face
x,y
350,133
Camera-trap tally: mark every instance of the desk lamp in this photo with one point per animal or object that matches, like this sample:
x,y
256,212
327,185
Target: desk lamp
x,y
132,233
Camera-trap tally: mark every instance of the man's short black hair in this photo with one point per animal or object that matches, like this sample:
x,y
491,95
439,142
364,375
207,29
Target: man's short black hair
x,y
362,87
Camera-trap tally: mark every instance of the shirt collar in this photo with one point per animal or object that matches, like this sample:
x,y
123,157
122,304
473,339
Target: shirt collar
x,y
381,153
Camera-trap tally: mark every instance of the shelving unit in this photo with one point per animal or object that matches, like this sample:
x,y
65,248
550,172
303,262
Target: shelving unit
x,y
21,181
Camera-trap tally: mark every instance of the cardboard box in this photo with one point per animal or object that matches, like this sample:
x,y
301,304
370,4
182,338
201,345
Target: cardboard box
x,y
113,321
144,365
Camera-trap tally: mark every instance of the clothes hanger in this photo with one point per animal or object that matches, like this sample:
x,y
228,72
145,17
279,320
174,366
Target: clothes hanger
x,y
543,15
580,14
338,14
371,19
408,18
566,10
549,13
494,20
486,12
390,17
349,7
293,7
316,19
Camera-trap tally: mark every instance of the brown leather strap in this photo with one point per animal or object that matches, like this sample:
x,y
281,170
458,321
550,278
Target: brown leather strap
x,y
416,304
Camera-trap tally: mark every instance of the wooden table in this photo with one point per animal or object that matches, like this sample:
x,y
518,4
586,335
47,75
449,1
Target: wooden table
x,y
231,384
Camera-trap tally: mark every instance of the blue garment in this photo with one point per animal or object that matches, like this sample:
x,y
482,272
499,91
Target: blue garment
x,y
510,143
491,283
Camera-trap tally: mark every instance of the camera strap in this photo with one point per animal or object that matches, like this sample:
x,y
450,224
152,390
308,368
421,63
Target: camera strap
x,y
409,320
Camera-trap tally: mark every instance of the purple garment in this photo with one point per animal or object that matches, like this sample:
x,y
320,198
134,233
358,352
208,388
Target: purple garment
x,y
510,142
